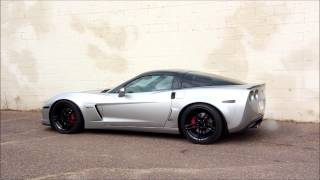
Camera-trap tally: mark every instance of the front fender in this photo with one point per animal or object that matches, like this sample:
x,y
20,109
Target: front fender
x,y
85,101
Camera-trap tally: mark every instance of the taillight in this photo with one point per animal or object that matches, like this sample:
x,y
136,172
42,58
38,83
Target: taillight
x,y
256,94
251,96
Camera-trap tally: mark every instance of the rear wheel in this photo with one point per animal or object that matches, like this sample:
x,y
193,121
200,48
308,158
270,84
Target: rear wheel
x,y
201,124
66,117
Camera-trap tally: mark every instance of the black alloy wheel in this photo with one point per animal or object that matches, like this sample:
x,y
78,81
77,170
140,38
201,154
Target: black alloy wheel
x,y
201,124
66,117
66,120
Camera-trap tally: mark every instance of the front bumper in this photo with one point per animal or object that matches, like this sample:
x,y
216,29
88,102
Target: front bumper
x,y
45,116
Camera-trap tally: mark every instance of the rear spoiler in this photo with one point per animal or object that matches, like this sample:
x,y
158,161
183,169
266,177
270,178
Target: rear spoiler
x,y
252,86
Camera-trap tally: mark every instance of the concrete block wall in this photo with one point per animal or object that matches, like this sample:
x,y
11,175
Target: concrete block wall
x,y
48,47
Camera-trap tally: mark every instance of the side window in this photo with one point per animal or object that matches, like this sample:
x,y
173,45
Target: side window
x,y
191,80
150,83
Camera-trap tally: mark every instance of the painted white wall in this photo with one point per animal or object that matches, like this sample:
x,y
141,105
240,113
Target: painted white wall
x,y
51,47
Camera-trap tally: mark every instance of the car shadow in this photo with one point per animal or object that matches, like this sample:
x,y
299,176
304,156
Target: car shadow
x,y
132,133
248,135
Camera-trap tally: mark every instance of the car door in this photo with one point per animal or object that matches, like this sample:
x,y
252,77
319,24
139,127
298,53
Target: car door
x,y
146,103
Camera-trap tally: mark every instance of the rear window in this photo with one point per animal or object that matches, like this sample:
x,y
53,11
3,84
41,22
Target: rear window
x,y
196,79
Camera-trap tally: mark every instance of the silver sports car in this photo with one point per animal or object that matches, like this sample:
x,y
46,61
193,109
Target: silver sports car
x,y
200,106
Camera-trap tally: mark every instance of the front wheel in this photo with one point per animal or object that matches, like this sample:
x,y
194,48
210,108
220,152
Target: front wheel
x,y
201,124
66,117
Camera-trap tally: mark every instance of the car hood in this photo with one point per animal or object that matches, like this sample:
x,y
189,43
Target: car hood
x,y
97,91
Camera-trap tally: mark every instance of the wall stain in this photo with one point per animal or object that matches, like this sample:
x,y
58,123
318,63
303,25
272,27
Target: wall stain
x,y
245,28
104,61
311,112
26,63
40,19
17,99
18,15
76,25
304,60
301,108
114,37
19,93
301,59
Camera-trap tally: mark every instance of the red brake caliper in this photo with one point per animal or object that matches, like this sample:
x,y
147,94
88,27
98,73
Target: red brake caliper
x,y
193,121
72,118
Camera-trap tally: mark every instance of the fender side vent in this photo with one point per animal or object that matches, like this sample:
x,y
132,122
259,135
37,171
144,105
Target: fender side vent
x,y
98,111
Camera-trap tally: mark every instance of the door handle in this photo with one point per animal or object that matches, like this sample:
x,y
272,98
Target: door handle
x,y
173,95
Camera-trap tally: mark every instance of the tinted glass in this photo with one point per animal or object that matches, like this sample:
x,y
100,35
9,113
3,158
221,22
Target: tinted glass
x,y
150,83
201,79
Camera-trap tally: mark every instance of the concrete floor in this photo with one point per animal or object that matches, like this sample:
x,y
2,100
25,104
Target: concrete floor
x,y
278,150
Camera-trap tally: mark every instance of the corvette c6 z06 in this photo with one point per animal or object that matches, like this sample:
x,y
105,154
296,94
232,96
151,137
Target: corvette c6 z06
x,y
198,105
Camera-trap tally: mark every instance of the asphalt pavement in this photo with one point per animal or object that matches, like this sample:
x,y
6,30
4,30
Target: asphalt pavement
x,y
276,150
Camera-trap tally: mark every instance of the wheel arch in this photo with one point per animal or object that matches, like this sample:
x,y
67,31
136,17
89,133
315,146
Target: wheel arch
x,y
212,106
61,101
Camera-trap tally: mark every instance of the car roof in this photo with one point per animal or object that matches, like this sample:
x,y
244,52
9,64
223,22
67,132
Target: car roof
x,y
179,72
182,72
176,71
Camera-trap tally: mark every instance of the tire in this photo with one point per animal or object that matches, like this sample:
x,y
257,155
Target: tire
x,y
66,117
201,124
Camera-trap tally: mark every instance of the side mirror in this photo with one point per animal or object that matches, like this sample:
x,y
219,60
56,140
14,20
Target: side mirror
x,y
122,92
